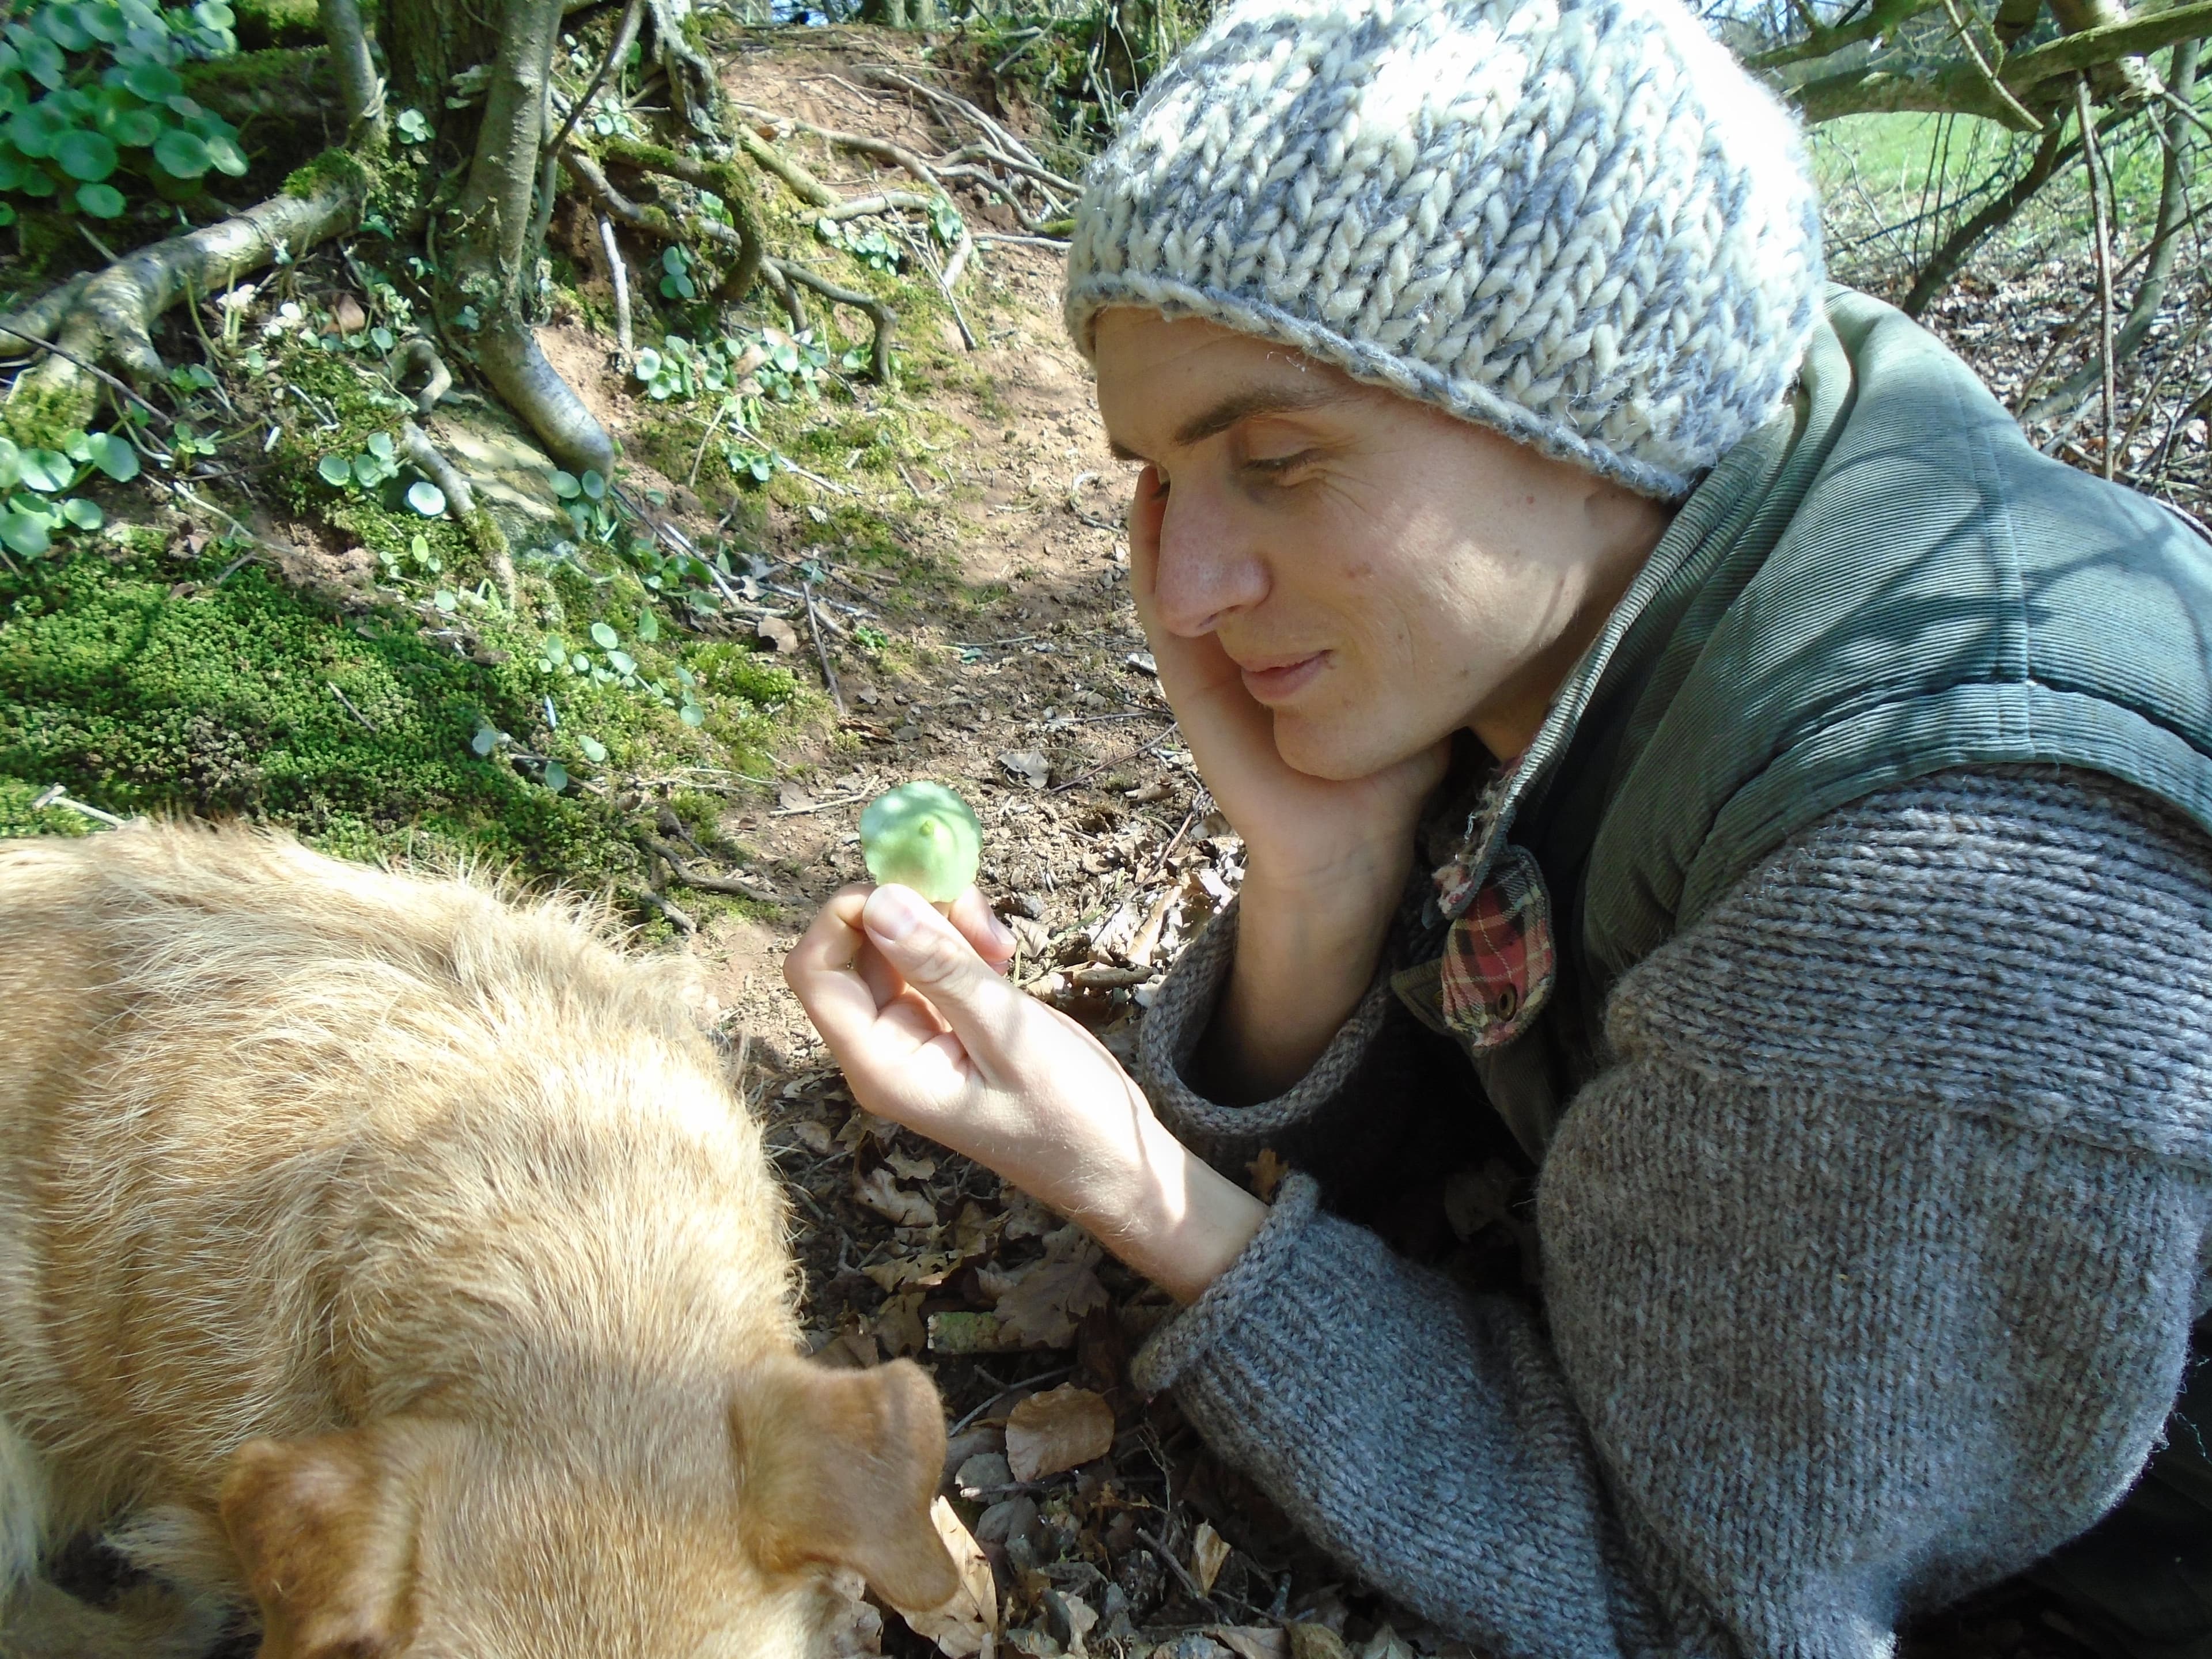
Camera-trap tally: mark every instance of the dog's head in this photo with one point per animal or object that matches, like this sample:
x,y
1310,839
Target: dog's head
x,y
422,1537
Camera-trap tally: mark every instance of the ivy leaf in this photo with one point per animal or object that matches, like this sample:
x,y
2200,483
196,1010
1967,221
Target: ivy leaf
x,y
100,201
426,498
86,156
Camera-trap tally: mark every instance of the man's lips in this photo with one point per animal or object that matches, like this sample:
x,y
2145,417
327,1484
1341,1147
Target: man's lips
x,y
1272,679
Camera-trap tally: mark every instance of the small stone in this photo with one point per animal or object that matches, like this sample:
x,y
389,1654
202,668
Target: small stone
x,y
982,1473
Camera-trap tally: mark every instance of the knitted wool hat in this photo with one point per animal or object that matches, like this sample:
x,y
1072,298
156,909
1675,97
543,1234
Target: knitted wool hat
x,y
1576,222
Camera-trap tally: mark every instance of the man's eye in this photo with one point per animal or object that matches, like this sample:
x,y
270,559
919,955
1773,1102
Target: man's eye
x,y
1275,466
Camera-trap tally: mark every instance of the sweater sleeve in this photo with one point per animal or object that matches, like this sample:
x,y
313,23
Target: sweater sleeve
x,y
1348,1114
1868,1261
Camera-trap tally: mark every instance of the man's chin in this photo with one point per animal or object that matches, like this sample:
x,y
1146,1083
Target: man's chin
x,y
1325,749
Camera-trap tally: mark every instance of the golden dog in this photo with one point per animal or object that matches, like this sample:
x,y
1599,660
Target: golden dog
x,y
397,1261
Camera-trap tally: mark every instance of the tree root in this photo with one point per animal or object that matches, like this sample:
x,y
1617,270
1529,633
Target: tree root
x,y
726,180
484,530
618,276
437,379
110,318
690,76
880,367
509,354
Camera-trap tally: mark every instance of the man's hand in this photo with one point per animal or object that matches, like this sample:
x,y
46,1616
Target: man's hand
x,y
931,1037
1326,859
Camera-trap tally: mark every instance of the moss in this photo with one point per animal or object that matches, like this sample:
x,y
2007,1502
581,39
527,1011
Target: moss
x,y
339,167
50,402
138,696
263,23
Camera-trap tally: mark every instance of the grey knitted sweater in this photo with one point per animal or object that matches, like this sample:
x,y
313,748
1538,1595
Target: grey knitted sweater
x,y
1869,1252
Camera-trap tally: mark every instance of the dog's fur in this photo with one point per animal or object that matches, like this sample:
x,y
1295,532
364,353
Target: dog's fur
x,y
397,1261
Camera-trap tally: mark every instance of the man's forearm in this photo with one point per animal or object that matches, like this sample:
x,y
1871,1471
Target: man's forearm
x,y
1302,964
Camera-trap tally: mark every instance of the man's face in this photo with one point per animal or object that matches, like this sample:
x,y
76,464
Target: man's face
x,y
1380,572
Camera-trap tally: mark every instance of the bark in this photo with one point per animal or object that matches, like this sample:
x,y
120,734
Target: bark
x,y
1945,262
110,318
494,223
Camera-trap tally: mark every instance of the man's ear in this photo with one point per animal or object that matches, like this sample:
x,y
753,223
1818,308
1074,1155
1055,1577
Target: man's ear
x,y
838,1467
323,1528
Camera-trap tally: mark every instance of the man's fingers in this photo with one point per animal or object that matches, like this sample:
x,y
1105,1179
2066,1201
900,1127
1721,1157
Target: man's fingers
x,y
992,939
936,959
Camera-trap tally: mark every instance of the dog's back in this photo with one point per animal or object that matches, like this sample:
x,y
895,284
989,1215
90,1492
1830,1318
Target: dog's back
x,y
297,1150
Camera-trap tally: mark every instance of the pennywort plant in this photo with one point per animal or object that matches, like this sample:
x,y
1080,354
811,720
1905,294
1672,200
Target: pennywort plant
x,y
92,105
37,498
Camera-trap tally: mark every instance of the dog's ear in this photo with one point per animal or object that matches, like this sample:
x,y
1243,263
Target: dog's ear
x,y
323,1527
838,1466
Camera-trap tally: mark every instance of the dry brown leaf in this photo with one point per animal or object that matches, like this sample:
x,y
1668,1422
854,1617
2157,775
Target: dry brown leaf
x,y
856,1628
778,633
1266,1171
1047,1433
898,1323
1209,1553
1252,1641
965,1624
891,1202
911,1169
1312,1641
1042,1308
928,1269
813,1134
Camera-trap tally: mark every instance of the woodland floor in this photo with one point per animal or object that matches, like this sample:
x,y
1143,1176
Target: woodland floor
x,y
1028,690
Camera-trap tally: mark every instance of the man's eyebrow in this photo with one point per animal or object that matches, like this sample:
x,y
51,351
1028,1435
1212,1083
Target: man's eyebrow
x,y
1238,406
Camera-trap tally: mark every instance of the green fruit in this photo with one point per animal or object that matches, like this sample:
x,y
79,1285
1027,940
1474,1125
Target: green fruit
x,y
923,835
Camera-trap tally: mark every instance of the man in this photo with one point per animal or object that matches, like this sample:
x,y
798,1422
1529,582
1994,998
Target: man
x,y
1809,785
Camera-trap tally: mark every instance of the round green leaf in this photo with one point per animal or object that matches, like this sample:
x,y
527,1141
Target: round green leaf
x,y
224,152
102,21
181,155
594,750
11,168
214,14
37,183
336,470
565,485
381,447
11,464
606,638
368,471
426,498
557,776
43,62
593,485
485,740
37,130
60,24
135,129
84,515
86,156
46,471
101,201
155,83
622,662
114,456
446,600
648,363
692,715
24,533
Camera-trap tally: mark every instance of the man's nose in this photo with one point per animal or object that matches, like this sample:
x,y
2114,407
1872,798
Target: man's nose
x,y
1209,565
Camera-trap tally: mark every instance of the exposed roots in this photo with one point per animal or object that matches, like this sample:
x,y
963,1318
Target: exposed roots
x,y
110,318
484,530
793,274
728,181
419,354
509,354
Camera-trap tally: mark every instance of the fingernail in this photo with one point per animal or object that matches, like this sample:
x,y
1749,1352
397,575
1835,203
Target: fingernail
x,y
894,912
1002,935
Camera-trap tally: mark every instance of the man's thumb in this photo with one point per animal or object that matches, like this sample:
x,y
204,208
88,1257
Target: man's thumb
x,y
926,949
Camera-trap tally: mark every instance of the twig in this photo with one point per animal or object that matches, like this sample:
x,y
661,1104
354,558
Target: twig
x,y
346,703
625,32
728,886
814,806
1168,851
1997,89
883,149
1120,760
55,797
620,274
821,651
1182,1573
2104,251
97,374
1056,244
